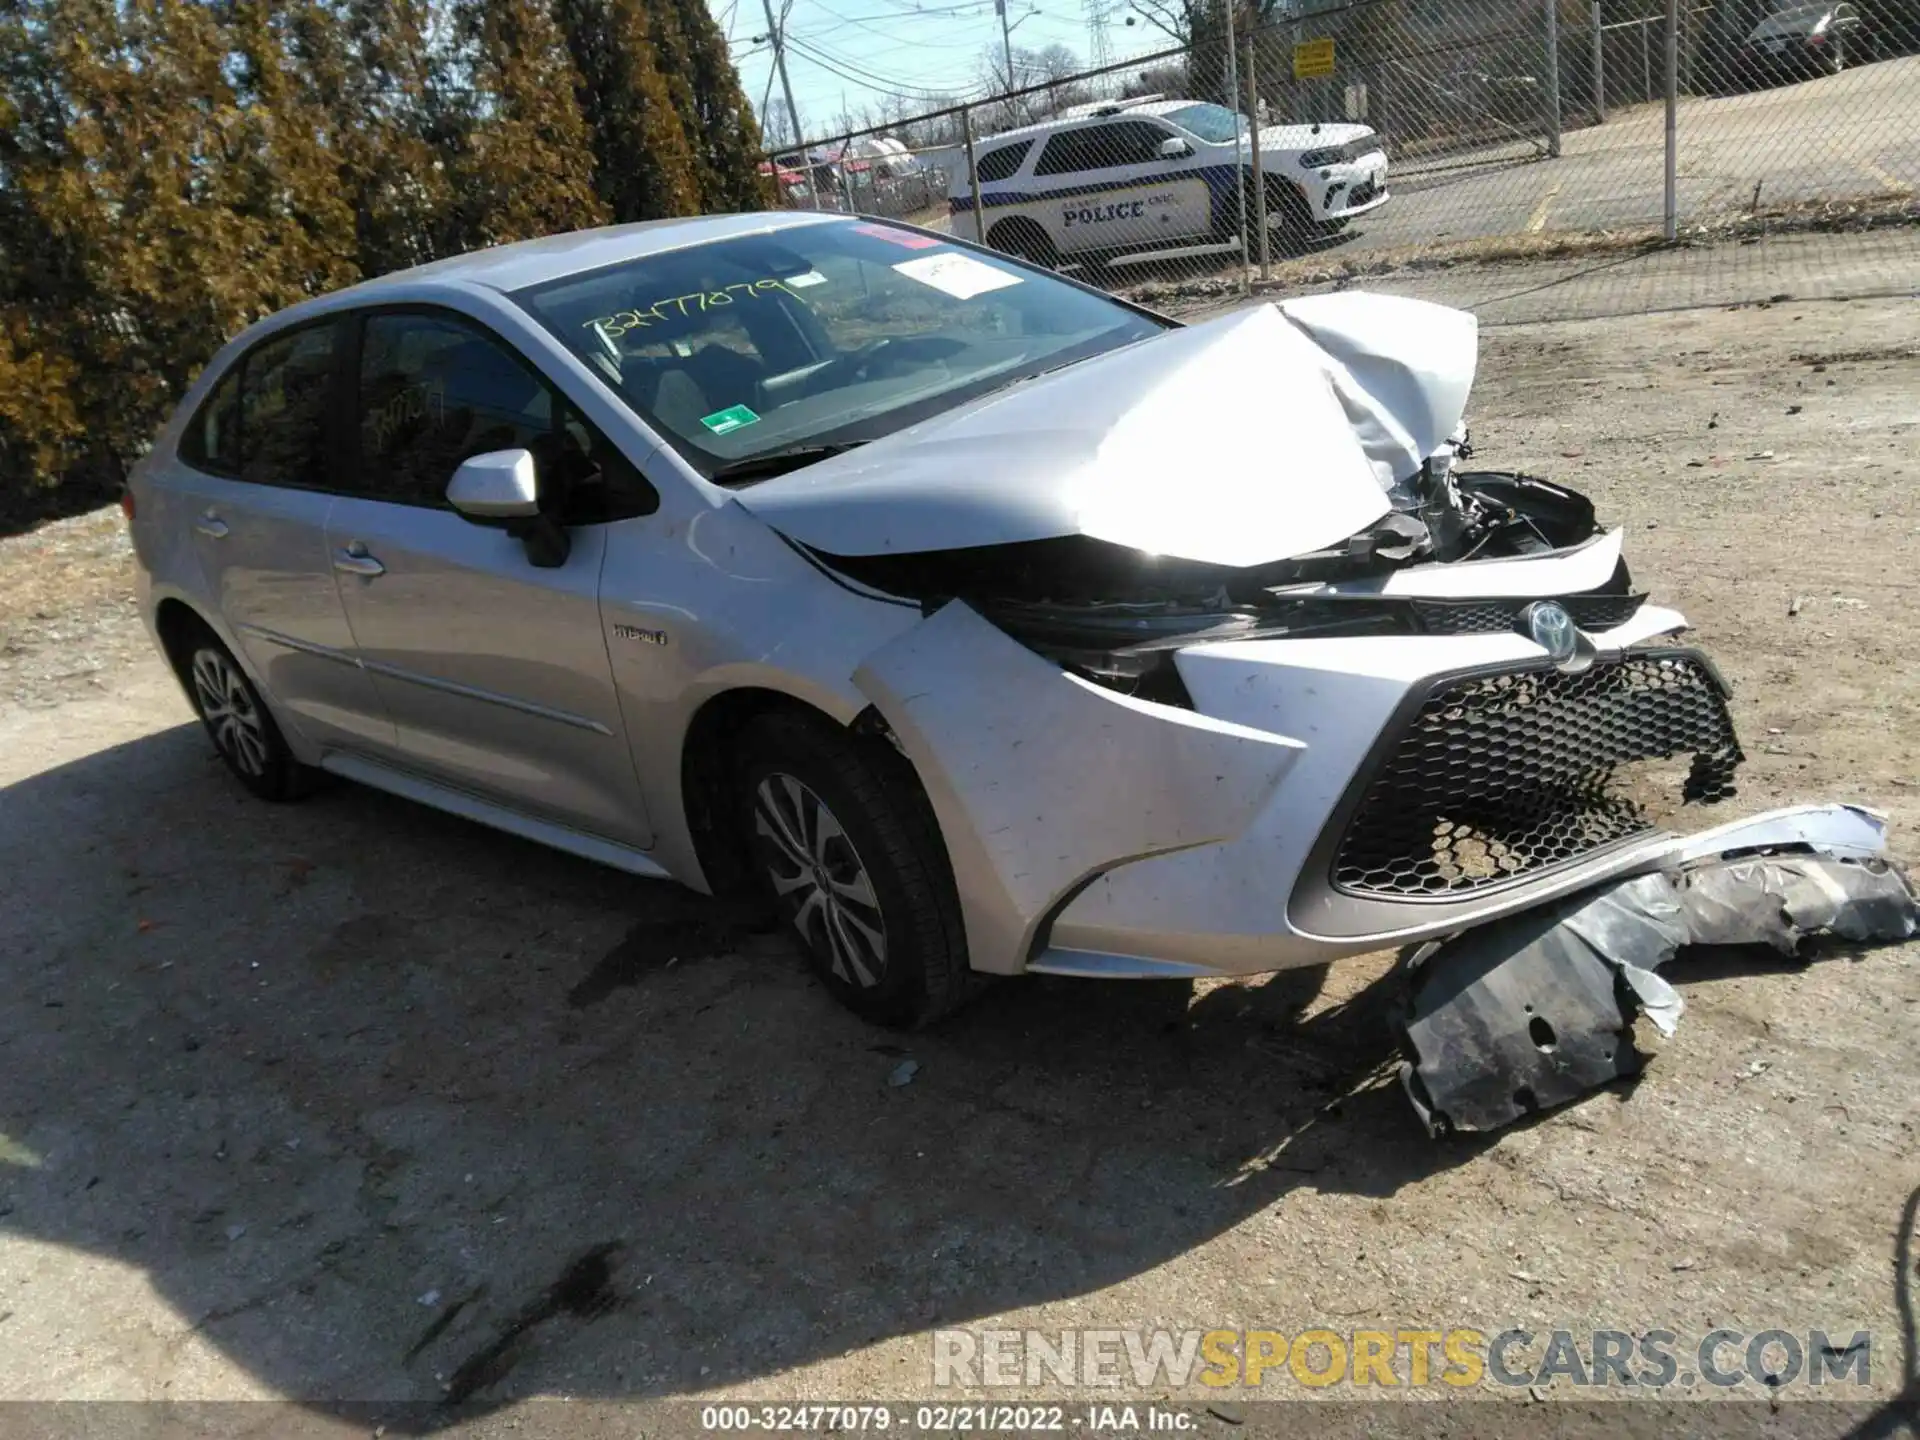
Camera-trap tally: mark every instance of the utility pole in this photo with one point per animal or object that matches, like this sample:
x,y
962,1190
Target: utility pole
x,y
1006,38
779,38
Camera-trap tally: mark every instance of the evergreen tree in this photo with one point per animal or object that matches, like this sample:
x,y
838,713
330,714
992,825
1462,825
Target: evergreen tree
x,y
524,168
643,164
726,138
369,66
286,169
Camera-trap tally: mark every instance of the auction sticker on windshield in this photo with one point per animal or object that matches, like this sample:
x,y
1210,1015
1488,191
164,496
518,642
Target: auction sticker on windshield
x,y
960,276
904,238
734,417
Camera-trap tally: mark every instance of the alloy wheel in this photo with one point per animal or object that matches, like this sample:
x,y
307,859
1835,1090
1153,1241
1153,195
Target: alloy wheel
x,y
231,713
819,879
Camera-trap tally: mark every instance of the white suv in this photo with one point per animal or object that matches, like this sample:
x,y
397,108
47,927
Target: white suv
x,y
1164,179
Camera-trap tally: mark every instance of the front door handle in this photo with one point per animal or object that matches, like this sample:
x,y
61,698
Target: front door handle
x,y
211,525
355,560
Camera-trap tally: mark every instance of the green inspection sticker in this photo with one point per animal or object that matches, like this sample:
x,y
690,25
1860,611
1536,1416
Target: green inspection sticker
x,y
722,422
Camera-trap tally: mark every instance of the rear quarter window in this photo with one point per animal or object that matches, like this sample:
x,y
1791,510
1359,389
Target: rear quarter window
x,y
212,438
1000,164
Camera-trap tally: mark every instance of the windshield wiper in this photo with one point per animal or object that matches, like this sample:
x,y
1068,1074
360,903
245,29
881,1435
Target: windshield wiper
x,y
778,462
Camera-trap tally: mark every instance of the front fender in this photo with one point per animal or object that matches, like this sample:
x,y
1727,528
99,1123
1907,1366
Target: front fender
x,y
1041,780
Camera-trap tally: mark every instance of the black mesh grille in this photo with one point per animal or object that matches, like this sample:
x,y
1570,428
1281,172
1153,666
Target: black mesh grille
x,y
1484,617
1501,776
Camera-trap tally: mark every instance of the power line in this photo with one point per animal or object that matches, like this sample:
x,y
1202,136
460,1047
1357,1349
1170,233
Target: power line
x,y
844,69
880,52
854,70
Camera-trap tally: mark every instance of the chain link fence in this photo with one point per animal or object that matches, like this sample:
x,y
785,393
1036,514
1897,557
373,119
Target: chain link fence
x,y
1437,140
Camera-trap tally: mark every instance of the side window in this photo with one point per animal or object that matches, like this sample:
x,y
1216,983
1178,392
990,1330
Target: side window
x,y
1001,163
1140,142
434,391
286,393
1100,147
1073,150
212,438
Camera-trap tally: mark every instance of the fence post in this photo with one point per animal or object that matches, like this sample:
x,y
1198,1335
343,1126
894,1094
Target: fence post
x,y
1599,69
846,175
973,175
1553,77
1672,228
1646,64
1259,175
1239,170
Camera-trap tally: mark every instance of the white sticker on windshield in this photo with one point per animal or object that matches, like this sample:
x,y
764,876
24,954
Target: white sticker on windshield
x,y
960,276
804,279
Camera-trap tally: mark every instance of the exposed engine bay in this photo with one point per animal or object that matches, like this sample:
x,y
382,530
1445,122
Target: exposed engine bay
x,y
1113,613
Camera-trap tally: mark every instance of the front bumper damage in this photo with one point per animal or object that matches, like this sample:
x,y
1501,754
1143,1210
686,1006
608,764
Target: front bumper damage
x,y
1307,712
1537,1009
1099,834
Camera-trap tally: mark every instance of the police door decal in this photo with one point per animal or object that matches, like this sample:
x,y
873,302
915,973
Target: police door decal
x,y
1162,213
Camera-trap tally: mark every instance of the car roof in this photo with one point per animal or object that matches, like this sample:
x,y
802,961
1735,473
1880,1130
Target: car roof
x,y
1125,109
553,257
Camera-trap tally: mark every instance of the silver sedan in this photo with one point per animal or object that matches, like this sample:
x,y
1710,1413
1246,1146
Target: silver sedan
x,y
981,622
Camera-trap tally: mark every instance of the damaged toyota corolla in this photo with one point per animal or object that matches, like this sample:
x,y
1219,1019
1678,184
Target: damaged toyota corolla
x,y
986,622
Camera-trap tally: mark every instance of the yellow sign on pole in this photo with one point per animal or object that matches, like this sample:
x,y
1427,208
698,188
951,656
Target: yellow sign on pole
x,y
1313,58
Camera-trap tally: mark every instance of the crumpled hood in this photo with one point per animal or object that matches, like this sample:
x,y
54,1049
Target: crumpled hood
x,y
1254,437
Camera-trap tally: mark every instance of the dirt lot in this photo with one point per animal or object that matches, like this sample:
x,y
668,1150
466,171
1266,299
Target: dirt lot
x,y
355,1101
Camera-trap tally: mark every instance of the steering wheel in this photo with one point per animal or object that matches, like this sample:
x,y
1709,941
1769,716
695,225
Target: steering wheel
x,y
860,363
902,349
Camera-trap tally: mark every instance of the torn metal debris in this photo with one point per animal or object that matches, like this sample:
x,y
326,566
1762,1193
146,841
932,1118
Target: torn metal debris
x,y
1536,1009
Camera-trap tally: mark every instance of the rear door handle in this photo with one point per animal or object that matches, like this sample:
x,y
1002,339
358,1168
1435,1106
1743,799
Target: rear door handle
x,y
355,560
211,525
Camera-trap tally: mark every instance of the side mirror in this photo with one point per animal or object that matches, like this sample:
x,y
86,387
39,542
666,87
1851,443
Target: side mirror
x,y
498,486
502,489
1174,148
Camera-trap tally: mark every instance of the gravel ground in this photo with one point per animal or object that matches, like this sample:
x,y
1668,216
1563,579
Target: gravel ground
x,y
355,1101
68,627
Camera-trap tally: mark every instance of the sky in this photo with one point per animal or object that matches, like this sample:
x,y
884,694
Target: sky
x,y
848,55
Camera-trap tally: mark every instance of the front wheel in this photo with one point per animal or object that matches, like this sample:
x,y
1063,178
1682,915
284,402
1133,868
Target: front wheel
x,y
1289,221
848,848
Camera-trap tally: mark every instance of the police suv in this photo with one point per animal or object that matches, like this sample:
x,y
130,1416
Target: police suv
x,y
1161,179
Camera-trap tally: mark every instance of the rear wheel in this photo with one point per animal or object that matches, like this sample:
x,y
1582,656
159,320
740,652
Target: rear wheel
x,y
849,851
238,722
1026,239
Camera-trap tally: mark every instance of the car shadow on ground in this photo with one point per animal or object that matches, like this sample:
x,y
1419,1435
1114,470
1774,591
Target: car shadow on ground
x,y
388,1107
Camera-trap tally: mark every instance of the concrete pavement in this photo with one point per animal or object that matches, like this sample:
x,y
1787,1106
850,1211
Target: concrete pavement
x,y
1852,135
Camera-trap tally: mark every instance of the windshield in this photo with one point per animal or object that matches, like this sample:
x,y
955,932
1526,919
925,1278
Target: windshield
x,y
818,335
1213,123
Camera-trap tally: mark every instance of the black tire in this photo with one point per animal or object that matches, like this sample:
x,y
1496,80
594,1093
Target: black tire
x,y
857,829
1291,223
1027,240
237,720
